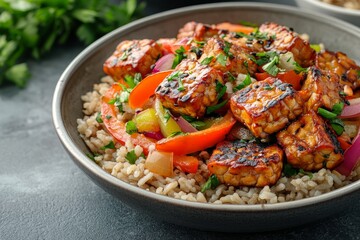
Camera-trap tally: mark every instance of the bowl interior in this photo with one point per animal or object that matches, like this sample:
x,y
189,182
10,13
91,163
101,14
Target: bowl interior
x,y
86,70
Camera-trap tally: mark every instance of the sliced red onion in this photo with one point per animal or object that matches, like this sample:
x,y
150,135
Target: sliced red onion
x,y
185,125
352,110
183,41
164,63
351,156
154,135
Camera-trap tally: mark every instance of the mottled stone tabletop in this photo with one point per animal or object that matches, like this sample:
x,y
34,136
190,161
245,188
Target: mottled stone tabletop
x,y
43,195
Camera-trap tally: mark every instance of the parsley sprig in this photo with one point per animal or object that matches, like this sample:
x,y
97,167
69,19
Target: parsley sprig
x,y
32,28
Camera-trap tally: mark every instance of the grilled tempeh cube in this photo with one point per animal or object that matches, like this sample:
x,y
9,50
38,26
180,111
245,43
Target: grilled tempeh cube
x,y
267,106
246,164
340,64
199,31
321,89
250,44
286,40
190,88
132,56
309,143
227,57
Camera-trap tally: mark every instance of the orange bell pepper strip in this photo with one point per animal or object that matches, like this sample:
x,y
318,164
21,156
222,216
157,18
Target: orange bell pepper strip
x,y
289,77
116,127
185,163
146,88
197,141
235,27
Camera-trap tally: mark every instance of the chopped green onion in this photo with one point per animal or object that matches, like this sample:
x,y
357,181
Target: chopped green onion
x,y
108,117
207,60
230,76
338,125
221,58
316,47
181,85
337,108
227,49
337,128
326,114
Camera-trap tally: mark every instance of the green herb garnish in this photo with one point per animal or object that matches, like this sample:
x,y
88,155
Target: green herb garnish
x,y
175,134
179,56
167,115
131,157
131,127
98,118
211,183
299,69
212,109
220,89
249,24
132,81
271,67
289,171
110,145
32,28
268,87
247,81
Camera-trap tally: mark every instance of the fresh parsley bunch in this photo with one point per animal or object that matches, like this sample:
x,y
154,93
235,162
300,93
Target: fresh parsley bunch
x,y
31,28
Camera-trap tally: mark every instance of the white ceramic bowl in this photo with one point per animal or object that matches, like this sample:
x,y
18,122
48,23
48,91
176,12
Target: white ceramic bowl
x,y
350,15
86,69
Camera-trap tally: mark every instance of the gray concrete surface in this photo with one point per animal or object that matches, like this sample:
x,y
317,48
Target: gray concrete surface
x,y
43,195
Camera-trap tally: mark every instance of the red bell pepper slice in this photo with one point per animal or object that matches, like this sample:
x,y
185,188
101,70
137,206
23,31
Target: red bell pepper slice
x,y
146,88
117,128
197,141
185,163
289,77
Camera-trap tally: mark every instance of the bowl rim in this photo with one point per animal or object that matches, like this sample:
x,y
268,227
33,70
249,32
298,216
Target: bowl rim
x,y
334,8
80,158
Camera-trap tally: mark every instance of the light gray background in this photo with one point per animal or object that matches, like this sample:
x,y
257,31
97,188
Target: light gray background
x,y
43,195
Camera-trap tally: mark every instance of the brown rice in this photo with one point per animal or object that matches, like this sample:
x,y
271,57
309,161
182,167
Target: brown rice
x,y
187,186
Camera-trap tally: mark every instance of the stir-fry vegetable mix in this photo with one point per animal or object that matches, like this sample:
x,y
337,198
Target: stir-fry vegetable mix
x,y
31,28
261,100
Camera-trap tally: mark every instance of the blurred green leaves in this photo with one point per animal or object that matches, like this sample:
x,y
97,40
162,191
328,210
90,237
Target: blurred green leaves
x,y
31,28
